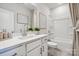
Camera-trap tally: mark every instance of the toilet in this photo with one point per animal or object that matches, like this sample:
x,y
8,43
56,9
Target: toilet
x,y
52,48
52,44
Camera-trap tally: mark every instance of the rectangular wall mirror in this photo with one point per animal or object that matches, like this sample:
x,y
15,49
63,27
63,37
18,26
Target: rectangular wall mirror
x,y
22,19
42,20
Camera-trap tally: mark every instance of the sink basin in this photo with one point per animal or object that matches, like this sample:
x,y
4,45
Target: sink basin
x,y
26,37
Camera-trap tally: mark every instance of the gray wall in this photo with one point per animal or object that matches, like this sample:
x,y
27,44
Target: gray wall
x,y
17,8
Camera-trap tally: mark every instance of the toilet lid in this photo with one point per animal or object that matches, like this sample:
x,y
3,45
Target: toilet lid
x,y
52,44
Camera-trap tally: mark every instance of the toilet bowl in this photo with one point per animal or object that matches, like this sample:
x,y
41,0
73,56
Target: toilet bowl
x,y
52,44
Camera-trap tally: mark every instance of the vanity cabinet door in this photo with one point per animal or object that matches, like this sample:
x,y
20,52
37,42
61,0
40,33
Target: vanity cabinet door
x,y
34,48
30,46
17,51
44,49
21,51
35,52
44,46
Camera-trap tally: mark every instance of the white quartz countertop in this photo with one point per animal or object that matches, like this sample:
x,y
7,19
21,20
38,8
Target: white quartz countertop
x,y
9,43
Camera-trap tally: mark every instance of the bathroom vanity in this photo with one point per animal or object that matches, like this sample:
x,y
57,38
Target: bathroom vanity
x,y
25,46
19,22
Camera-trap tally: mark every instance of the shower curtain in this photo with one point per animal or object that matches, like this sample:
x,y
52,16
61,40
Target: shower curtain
x,y
74,16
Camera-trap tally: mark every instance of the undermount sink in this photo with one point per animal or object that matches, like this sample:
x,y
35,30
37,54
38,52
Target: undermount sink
x,y
26,37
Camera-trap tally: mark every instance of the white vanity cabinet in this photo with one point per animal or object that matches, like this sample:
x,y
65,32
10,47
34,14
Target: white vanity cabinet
x,y
38,48
29,47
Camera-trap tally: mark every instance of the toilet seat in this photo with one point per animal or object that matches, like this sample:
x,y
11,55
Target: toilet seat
x,y
52,44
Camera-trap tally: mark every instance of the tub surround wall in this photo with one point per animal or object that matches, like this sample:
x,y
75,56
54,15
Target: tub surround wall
x,y
63,31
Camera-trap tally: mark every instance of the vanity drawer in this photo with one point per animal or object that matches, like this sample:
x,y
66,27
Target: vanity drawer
x,y
9,53
33,45
35,52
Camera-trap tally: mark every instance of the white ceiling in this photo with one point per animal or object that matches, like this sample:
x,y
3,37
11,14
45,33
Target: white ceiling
x,y
29,5
52,5
49,5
